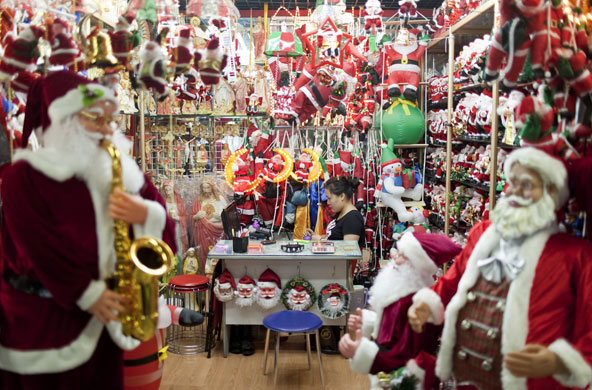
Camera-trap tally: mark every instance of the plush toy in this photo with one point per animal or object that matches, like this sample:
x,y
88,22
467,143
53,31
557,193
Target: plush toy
x,y
210,62
522,30
151,69
182,54
372,17
20,52
404,55
313,96
123,40
392,186
254,101
303,166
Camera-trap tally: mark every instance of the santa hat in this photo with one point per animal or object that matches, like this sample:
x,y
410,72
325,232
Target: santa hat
x,y
269,279
58,96
185,37
298,288
388,156
226,280
246,281
124,23
551,169
427,251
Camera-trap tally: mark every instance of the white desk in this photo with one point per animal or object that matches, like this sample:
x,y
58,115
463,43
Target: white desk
x,y
318,269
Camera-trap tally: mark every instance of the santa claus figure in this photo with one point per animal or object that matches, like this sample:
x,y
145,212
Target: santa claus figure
x,y
210,62
123,41
404,54
313,95
273,167
151,69
384,341
303,166
522,29
64,51
333,301
246,291
512,321
21,52
372,17
268,289
254,102
408,8
225,286
68,307
182,54
299,299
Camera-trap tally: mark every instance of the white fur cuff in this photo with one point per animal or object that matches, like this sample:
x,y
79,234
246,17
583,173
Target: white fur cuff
x,y
434,303
155,221
580,372
368,322
127,343
93,291
364,357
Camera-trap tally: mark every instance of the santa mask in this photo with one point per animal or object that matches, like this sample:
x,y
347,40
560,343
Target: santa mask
x,y
246,291
299,298
268,289
224,286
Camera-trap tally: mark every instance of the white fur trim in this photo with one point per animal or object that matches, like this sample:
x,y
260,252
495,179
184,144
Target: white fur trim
x,y
369,323
417,372
551,169
55,360
155,221
266,284
515,321
580,372
165,317
404,68
412,249
91,294
71,102
19,64
364,357
434,303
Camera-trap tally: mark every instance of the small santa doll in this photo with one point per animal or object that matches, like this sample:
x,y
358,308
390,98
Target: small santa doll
x,y
151,69
63,49
242,175
268,289
384,340
123,41
303,166
182,54
372,16
273,167
254,102
20,53
210,62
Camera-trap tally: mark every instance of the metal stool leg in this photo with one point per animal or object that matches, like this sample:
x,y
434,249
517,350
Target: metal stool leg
x,y
319,356
277,355
307,335
265,353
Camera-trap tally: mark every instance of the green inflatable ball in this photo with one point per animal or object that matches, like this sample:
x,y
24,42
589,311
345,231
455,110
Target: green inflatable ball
x,y
403,122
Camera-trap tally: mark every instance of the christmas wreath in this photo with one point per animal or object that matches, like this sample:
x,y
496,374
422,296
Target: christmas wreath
x,y
293,294
333,301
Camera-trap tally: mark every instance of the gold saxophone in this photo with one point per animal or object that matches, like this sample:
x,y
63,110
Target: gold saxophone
x,y
139,264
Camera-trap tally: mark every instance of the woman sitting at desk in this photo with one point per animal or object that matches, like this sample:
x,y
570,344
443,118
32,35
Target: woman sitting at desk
x,y
348,223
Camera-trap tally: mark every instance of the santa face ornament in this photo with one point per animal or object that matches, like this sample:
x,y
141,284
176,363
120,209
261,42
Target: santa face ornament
x,y
298,294
246,291
333,301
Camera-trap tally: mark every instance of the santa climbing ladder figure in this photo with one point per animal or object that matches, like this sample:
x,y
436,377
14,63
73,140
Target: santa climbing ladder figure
x,y
515,304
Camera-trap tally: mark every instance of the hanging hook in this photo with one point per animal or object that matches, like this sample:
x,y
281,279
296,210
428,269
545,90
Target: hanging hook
x,y
298,267
245,269
333,276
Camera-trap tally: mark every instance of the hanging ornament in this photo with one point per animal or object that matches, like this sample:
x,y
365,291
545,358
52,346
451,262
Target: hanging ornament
x,y
268,289
333,301
298,294
225,286
238,172
246,292
279,167
283,44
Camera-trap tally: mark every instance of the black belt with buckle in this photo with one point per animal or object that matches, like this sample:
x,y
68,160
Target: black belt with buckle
x,y
26,284
141,361
405,61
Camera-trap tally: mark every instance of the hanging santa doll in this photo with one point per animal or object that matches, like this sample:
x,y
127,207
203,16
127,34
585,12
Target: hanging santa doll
x,y
64,51
210,62
151,69
313,96
372,17
182,54
404,55
123,41
21,52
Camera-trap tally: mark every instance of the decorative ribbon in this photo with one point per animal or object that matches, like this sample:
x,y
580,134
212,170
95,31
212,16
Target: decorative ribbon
x,y
404,103
211,63
89,96
162,353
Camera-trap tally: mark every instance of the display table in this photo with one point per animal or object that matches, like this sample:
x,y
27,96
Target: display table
x,y
318,269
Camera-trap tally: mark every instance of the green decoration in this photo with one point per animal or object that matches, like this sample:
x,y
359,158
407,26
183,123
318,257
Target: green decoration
x,y
403,122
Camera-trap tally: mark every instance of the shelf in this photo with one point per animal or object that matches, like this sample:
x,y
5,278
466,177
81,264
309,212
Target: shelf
x,y
442,180
407,203
472,23
165,116
410,146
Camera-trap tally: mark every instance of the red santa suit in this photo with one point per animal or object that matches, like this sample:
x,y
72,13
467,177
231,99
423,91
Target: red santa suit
x,y
547,303
394,342
310,98
57,253
122,40
404,66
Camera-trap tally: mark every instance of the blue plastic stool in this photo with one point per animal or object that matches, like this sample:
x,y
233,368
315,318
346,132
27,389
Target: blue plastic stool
x,y
291,321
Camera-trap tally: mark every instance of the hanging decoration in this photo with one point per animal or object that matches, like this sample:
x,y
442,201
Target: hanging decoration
x,y
333,301
298,294
238,172
280,170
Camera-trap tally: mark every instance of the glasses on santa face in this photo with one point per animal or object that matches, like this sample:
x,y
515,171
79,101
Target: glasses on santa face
x,y
101,120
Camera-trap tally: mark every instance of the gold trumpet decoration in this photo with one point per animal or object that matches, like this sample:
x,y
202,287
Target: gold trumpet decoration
x,y
139,264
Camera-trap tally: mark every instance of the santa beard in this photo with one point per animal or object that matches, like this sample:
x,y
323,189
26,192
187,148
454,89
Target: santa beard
x,y
81,153
245,301
515,222
222,297
300,306
269,303
394,282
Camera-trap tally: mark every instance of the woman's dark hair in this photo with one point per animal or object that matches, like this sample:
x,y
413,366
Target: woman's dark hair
x,y
342,185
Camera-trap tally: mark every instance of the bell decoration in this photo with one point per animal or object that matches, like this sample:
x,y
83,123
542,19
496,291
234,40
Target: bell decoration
x,y
99,51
